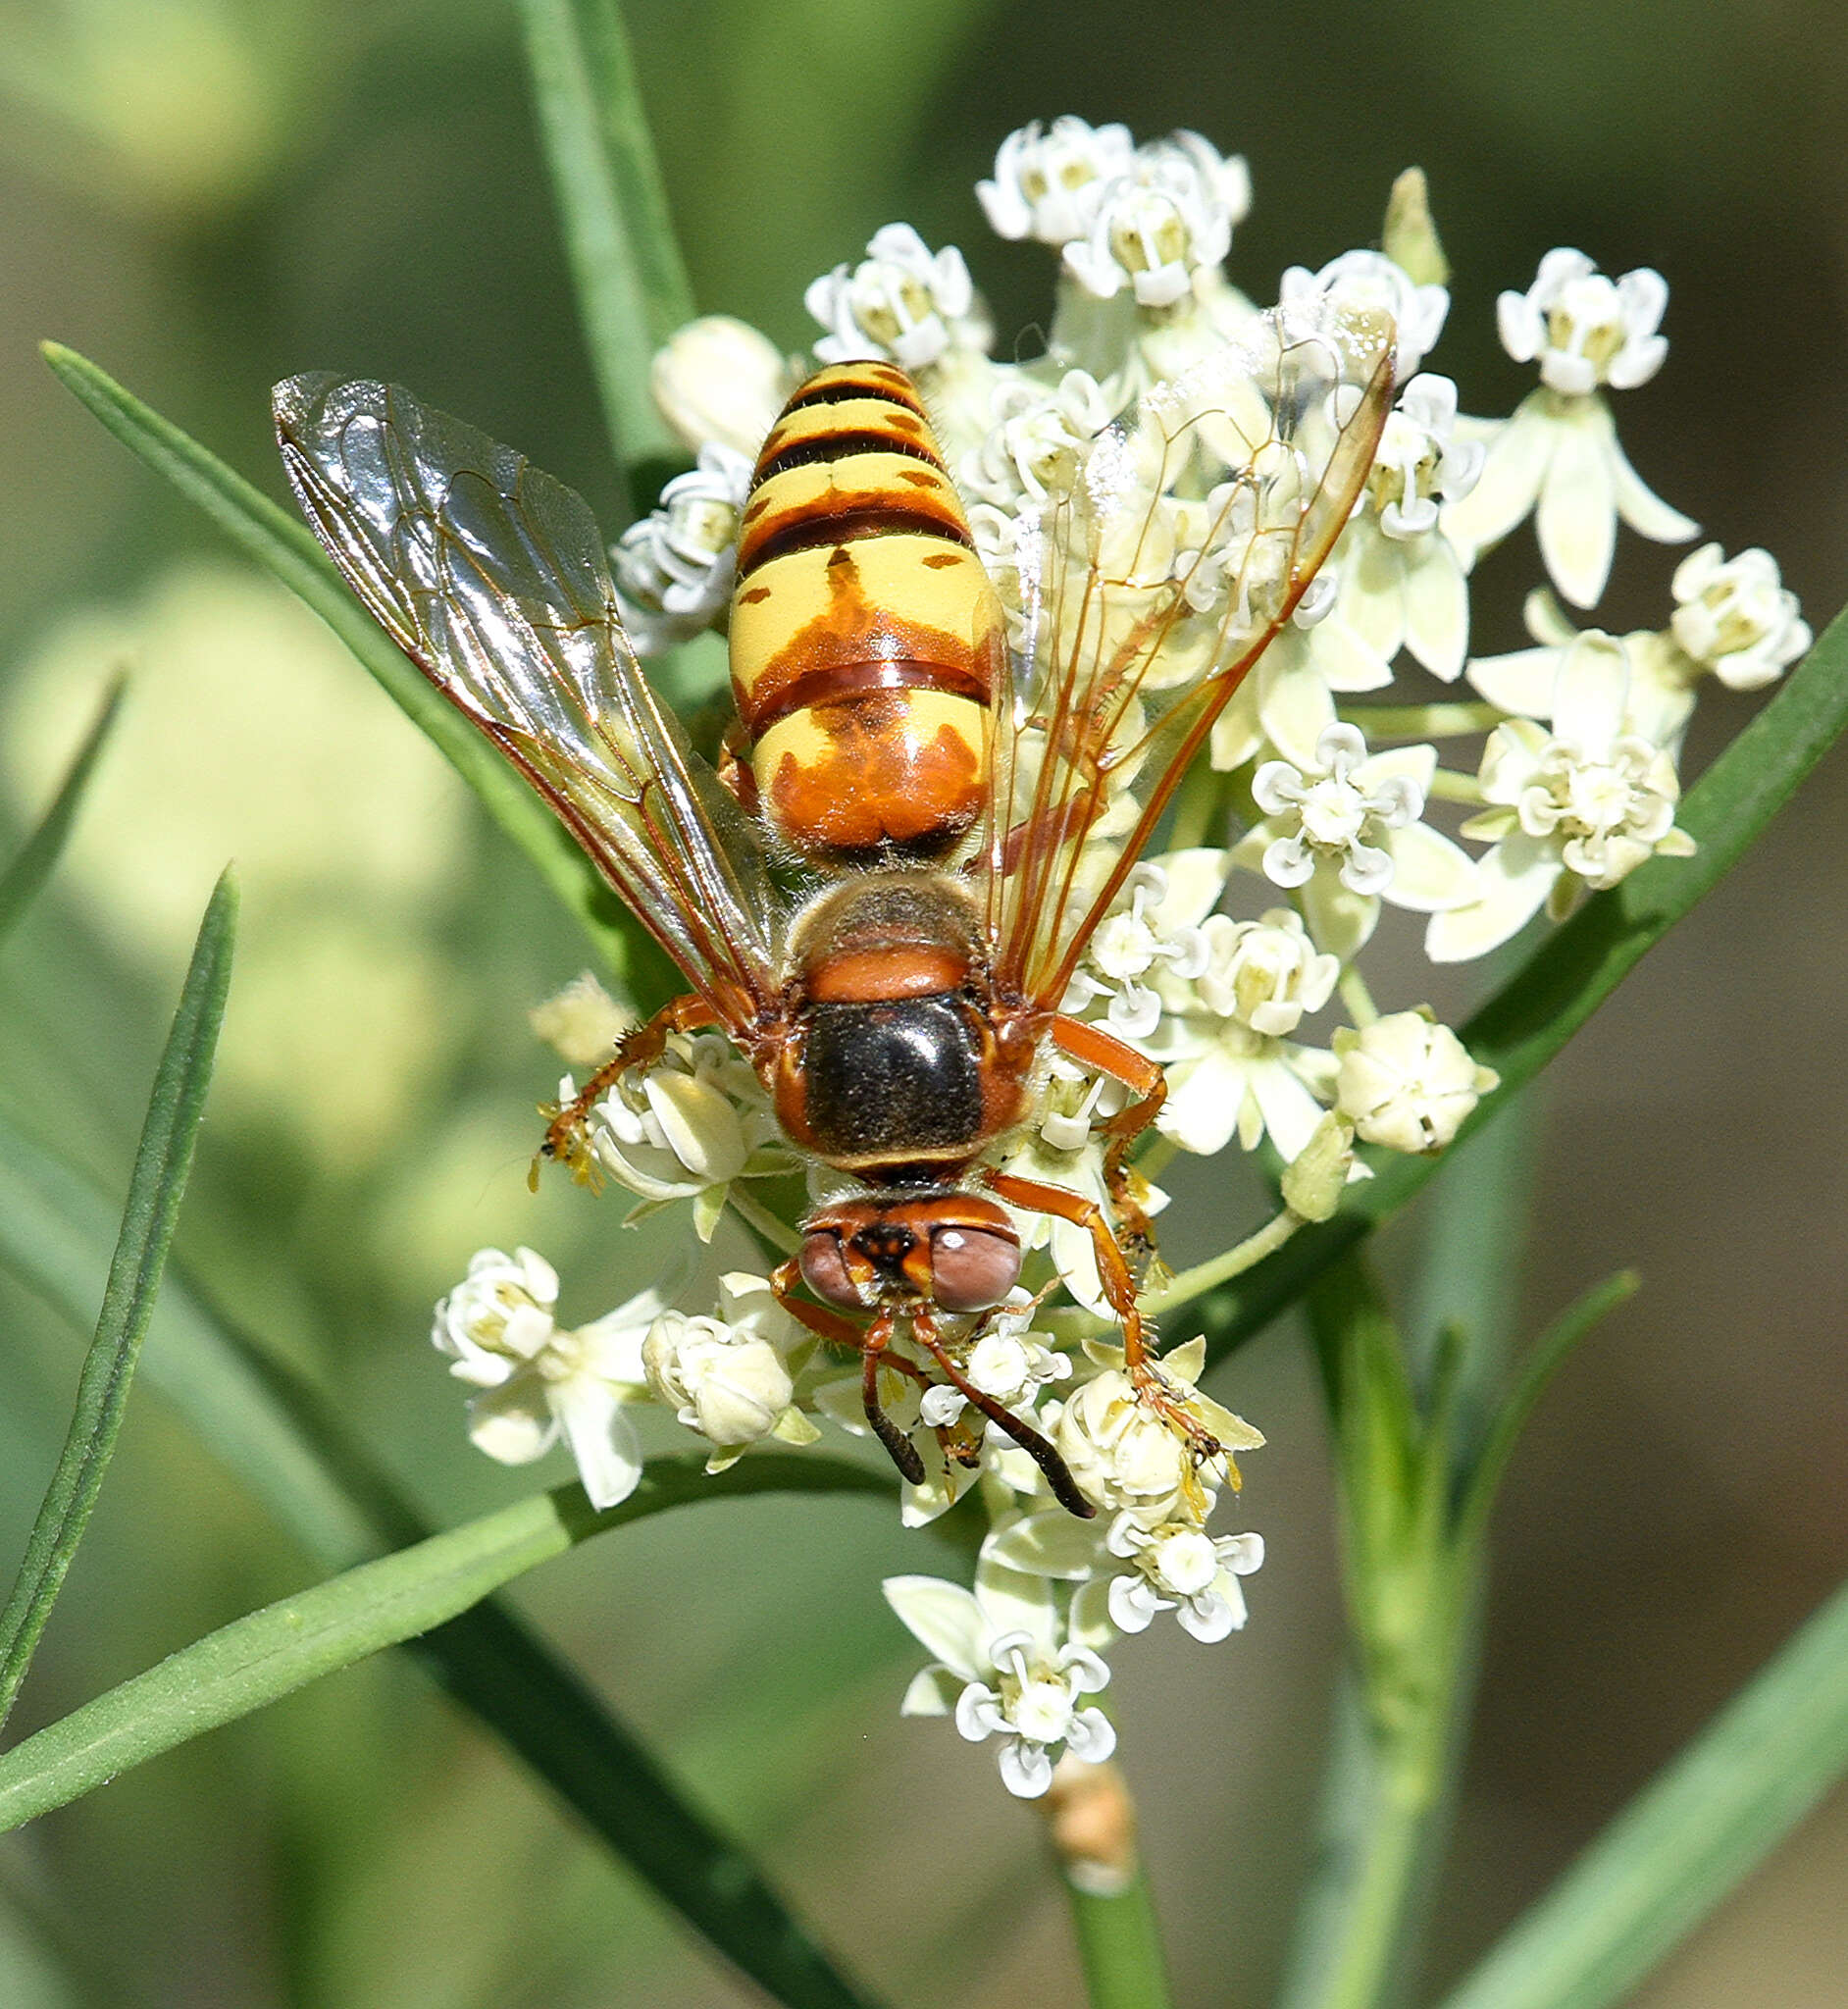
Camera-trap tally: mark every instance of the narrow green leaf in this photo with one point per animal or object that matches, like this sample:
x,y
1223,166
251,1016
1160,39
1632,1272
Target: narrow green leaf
x,y
299,1456
1550,1353
1570,976
155,1189
632,290
25,878
272,1652
1687,1839
287,547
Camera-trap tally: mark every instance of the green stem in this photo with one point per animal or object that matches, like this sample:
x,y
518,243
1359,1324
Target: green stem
x,y
1359,1000
1205,1276
1422,721
1120,1947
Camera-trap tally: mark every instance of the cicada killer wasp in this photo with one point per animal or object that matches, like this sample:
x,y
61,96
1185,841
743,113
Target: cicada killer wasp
x,y
928,804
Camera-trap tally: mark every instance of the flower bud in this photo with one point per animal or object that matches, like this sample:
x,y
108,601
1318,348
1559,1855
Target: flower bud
x,y
1316,1178
731,1386
719,379
1408,1082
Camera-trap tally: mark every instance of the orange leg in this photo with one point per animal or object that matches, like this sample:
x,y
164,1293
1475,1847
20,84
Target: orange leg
x,y
1062,1204
1118,1288
1092,1047
564,1129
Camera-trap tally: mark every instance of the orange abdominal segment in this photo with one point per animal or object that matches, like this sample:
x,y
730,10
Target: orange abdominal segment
x,y
866,640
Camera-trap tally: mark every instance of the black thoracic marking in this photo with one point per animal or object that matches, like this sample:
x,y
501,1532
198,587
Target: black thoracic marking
x,y
892,1077
845,392
813,526
830,446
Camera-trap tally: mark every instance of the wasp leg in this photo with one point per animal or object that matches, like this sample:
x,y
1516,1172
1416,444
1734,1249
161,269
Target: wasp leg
x,y
1120,1290
1119,1287
1092,1047
1058,1475
564,1130
903,1453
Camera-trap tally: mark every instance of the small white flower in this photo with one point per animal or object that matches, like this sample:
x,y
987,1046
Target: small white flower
x,y
539,1381
903,302
1265,974
1400,581
1582,807
1586,328
687,1125
1037,441
1408,1082
1154,925
1048,178
1179,1567
1231,1070
1172,214
675,567
1174,1566
1346,831
728,1377
1736,618
1129,1458
1370,279
1559,450
1004,1670
1419,460
718,378
1337,814
1007,1362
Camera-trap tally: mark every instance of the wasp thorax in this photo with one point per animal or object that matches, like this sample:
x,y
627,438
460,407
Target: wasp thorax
x,y
897,1072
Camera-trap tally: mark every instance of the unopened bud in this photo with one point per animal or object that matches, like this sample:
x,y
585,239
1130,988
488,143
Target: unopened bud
x,y
1314,1179
1410,238
719,379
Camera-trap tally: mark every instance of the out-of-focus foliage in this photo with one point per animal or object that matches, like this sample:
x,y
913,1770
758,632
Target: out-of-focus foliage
x,y
208,195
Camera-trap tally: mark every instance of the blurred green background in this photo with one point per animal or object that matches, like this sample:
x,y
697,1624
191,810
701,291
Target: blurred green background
x,y
205,196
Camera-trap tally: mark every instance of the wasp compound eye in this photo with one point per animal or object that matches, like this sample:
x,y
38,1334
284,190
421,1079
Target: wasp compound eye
x,y
825,1272
972,1269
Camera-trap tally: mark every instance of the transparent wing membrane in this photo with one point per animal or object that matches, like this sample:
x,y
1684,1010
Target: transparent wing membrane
x,y
491,577
1143,595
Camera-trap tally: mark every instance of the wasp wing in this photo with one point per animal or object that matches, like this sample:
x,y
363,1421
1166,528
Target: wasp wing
x,y
491,577
1142,596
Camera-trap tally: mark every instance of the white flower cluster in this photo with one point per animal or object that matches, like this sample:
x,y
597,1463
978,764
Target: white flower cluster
x,y
1232,959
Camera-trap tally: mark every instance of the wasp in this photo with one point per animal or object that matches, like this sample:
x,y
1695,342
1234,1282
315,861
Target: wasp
x,y
883,890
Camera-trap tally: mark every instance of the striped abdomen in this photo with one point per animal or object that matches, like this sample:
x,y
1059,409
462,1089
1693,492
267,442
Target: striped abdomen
x,y
866,639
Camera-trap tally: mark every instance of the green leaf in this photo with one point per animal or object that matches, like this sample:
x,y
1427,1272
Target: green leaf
x,y
155,1189
1530,1018
287,547
296,1454
1687,1839
25,878
632,290
1550,1353
272,1652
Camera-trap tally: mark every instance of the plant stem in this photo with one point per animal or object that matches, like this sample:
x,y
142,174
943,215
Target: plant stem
x,y
1120,1947
1422,721
1091,1823
1205,1276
